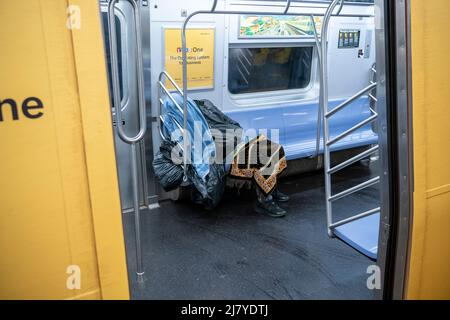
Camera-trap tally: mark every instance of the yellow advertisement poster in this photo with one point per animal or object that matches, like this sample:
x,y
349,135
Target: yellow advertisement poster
x,y
200,57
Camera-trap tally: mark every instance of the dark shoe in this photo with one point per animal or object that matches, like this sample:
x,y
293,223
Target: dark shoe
x,y
279,196
270,208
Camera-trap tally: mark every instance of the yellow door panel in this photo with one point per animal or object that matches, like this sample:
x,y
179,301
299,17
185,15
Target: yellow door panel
x,y
47,206
429,272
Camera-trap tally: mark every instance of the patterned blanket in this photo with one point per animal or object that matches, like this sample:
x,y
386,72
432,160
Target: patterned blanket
x,y
261,160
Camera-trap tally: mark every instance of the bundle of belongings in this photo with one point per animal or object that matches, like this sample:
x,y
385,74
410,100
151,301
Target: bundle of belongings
x,y
218,147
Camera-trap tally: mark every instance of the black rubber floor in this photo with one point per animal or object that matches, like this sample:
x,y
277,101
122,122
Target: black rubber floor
x,y
234,253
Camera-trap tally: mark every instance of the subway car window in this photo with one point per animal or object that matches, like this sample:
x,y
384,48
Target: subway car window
x,y
269,69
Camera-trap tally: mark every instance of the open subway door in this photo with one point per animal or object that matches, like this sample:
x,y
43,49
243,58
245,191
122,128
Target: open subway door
x,y
428,276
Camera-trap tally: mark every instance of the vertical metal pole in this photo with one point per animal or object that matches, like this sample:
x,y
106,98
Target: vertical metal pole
x,y
132,141
186,144
340,7
324,110
316,38
144,182
319,113
137,218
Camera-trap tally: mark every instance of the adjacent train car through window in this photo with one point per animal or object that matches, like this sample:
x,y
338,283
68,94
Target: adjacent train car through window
x,y
269,69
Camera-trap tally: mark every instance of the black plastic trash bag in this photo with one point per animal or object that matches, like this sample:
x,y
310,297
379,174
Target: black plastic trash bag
x,y
230,131
169,174
208,193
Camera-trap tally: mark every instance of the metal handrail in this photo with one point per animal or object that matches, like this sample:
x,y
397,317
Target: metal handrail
x,y
324,108
328,142
161,102
161,118
319,111
115,74
131,140
356,217
327,14
316,36
319,114
163,121
340,7
352,129
167,92
214,5
355,189
351,99
172,81
163,88
288,4
353,160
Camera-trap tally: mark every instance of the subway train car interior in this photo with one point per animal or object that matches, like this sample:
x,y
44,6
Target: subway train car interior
x,y
224,149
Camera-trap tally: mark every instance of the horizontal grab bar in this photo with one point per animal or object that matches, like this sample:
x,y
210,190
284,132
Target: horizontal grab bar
x,y
356,217
160,129
355,189
351,161
351,99
354,128
174,83
167,92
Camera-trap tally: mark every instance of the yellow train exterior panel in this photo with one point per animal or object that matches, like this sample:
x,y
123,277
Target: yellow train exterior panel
x,y
60,200
429,274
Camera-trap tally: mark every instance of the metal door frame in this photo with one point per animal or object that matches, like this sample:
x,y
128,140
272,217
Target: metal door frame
x,y
152,185
395,138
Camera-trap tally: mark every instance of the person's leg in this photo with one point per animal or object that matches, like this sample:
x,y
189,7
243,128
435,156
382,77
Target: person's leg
x,y
267,205
279,196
